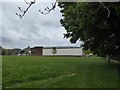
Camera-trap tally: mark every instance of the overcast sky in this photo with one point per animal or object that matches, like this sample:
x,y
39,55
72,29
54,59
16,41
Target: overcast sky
x,y
34,29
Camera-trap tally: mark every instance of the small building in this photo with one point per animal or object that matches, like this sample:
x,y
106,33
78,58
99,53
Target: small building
x,y
37,51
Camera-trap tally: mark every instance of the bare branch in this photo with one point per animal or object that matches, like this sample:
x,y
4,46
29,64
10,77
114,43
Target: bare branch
x,y
47,10
24,12
106,8
20,9
29,2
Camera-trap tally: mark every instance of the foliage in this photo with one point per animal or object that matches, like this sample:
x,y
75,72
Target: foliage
x,y
10,52
1,50
87,52
54,51
14,51
4,52
26,50
96,24
58,72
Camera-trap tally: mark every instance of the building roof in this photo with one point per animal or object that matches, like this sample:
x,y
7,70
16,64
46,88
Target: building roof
x,y
60,47
57,47
37,47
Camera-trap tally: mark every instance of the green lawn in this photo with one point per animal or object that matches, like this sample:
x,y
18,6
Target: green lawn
x,y
58,72
0,72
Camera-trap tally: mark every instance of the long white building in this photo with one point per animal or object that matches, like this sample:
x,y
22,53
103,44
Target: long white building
x,y
63,51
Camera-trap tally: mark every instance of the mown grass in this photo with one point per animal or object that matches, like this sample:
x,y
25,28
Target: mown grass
x,y
0,72
58,72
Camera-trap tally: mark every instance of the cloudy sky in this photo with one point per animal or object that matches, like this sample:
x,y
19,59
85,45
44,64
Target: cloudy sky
x,y
34,29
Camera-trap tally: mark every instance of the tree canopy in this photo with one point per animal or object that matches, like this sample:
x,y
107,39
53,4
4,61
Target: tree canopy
x,y
96,24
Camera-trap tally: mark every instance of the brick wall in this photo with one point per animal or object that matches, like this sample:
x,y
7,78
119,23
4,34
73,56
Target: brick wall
x,y
37,51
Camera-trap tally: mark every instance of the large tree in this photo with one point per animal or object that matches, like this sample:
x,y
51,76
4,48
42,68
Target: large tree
x,y
96,24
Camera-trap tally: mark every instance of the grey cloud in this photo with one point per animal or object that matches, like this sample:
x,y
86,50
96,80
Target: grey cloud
x,y
34,29
51,24
6,40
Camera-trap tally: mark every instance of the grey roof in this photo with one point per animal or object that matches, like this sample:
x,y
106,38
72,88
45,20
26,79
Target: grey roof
x,y
62,47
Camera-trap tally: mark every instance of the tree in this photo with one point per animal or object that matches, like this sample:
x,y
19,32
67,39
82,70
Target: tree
x,y
96,24
9,51
54,51
1,50
87,52
15,51
4,51
27,50
22,52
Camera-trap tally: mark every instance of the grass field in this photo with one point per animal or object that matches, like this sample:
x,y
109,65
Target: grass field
x,y
58,72
0,72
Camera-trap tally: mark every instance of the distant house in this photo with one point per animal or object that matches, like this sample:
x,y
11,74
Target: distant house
x,y
61,51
